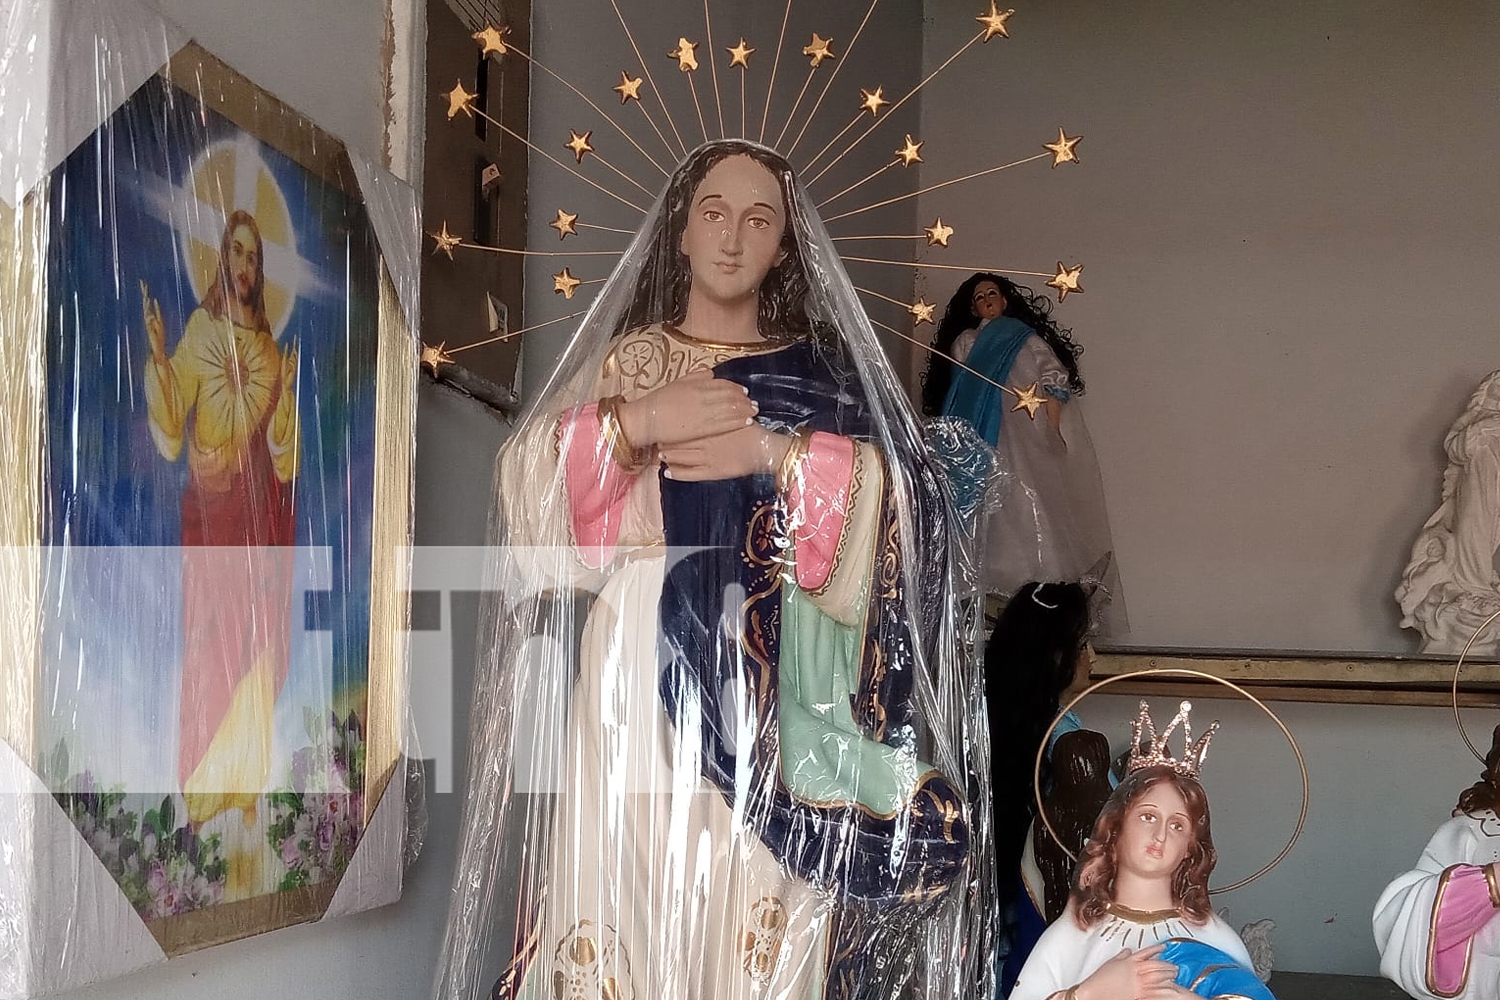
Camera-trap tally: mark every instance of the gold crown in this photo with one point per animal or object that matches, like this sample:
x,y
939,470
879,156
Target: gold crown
x,y
1150,750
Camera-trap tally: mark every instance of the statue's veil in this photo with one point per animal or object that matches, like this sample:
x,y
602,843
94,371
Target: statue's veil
x,y
540,593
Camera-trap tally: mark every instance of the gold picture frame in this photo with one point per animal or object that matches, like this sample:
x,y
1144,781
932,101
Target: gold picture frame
x,y
195,76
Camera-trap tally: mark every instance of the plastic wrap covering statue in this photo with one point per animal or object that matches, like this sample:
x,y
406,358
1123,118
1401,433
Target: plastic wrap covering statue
x,y
208,385
1053,525
745,764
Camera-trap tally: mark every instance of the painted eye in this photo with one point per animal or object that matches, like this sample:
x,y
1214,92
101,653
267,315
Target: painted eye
x,y
1178,826
713,215
760,224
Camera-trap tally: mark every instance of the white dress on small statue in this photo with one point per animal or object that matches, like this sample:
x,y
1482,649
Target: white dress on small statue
x,y
1066,955
1053,526
1436,925
1452,583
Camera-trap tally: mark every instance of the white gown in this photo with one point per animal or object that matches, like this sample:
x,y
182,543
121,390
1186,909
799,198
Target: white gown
x,y
1065,955
1405,915
1053,526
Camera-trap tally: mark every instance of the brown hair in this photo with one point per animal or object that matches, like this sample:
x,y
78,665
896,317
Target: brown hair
x,y
1484,793
661,294
1094,882
220,292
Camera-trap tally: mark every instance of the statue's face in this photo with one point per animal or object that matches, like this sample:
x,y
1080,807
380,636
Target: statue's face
x,y
988,302
734,230
1156,833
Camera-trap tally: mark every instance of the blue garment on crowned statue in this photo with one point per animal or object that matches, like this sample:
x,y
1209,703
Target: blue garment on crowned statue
x,y
994,354
1208,972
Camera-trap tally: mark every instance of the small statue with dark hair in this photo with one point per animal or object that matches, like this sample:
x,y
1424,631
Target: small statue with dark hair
x,y
1053,524
1080,787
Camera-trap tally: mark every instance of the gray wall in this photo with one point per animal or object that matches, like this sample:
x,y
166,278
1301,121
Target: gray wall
x,y
1287,213
1279,209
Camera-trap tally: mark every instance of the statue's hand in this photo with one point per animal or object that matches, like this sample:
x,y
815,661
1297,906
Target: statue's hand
x,y
742,452
691,408
1141,975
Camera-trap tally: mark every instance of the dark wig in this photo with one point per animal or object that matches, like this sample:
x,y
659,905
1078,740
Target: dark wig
x,y
1030,661
1484,793
661,293
1020,303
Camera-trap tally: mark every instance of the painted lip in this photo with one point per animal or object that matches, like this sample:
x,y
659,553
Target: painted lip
x,y
1156,851
727,266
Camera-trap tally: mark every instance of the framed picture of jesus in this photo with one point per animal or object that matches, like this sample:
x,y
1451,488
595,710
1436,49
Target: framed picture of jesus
x,y
211,685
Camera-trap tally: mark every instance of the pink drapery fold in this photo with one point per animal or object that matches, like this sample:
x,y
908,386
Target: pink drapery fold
x,y
597,485
818,498
1464,905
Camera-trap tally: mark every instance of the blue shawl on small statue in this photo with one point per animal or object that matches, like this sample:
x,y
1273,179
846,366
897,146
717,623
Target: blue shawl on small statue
x,y
994,354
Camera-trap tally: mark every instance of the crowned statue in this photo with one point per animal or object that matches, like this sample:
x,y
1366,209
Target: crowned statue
x,y
1138,921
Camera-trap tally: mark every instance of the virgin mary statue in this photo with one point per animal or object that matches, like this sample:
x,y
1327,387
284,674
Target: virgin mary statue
x,y
746,768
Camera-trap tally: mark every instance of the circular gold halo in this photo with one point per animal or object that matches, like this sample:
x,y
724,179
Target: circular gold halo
x,y
1036,774
1457,667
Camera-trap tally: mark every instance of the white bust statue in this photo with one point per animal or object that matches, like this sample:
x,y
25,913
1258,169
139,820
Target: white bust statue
x,y
1453,580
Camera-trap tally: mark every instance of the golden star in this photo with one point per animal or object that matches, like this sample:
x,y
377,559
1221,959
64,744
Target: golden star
x,y
686,55
564,284
739,55
873,101
921,311
460,99
579,144
1030,400
432,357
938,234
492,39
446,241
819,49
1066,280
564,224
994,22
911,152
628,89
1062,149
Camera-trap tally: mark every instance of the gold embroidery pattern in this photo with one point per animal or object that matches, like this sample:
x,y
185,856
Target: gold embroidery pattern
x,y
589,963
765,930
949,812
1437,905
856,485
890,562
650,357
874,714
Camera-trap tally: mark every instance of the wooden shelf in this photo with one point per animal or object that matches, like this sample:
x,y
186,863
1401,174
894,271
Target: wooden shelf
x,y
1337,678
